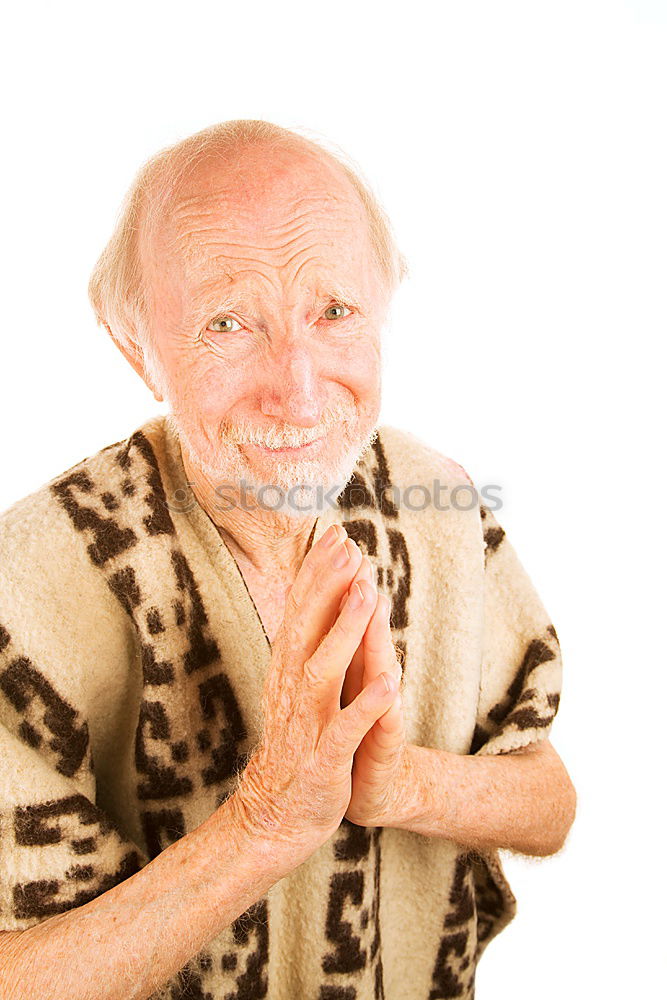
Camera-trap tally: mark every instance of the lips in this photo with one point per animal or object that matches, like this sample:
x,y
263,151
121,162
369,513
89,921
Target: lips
x,y
290,450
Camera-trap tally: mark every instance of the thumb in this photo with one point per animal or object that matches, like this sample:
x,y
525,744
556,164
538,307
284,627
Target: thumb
x,y
345,732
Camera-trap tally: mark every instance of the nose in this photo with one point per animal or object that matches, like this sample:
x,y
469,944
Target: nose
x,y
291,390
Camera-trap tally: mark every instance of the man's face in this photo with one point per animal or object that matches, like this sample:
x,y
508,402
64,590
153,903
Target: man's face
x,y
266,308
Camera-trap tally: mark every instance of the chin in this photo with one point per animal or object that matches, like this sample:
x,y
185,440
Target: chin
x,y
312,484
298,489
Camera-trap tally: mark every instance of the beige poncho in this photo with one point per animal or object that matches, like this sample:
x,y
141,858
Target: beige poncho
x,y
132,660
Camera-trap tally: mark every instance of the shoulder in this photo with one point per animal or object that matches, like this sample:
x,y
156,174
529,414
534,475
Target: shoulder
x,y
27,516
410,459
65,638
35,516
46,537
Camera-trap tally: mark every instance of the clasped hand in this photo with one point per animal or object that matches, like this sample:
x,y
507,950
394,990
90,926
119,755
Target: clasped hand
x,y
381,768
333,740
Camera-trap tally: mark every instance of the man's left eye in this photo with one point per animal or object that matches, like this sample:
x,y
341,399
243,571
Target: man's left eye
x,y
339,307
224,319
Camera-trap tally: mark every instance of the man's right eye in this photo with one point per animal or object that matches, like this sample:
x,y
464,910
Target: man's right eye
x,y
224,328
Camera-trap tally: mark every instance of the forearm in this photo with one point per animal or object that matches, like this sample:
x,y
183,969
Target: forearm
x,y
131,940
523,801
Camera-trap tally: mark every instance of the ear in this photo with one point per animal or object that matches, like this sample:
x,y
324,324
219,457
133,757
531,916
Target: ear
x,y
133,353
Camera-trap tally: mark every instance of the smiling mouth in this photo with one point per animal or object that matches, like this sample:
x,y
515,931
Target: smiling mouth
x,y
310,446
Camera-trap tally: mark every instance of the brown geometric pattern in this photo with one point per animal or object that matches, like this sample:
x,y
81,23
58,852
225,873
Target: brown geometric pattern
x,y
127,521
190,734
454,971
75,827
48,722
191,738
527,705
352,965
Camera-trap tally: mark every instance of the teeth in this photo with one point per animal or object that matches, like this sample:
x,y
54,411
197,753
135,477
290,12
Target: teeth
x,y
279,446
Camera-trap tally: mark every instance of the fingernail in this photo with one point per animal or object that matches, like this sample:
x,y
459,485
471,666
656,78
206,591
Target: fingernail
x,y
356,596
329,536
341,557
366,570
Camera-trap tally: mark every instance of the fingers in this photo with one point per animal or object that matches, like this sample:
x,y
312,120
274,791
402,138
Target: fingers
x,y
325,575
379,656
366,571
325,670
378,648
390,729
353,681
349,726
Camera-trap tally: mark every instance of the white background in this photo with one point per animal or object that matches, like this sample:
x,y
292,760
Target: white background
x,y
519,149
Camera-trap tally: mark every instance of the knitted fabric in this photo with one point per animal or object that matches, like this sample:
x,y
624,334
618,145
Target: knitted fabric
x,y
132,661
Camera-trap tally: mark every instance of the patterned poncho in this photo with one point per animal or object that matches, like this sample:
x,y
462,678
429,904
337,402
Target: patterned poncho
x,y
132,661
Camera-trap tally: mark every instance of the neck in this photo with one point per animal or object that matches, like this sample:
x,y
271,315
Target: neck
x,y
271,542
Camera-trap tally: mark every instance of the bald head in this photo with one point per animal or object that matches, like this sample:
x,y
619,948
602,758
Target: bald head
x,y
257,270
268,217
224,156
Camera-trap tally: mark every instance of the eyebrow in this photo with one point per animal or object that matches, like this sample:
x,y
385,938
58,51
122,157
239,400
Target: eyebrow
x,y
333,289
341,292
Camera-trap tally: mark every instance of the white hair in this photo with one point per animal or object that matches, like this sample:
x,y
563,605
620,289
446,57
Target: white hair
x,y
116,288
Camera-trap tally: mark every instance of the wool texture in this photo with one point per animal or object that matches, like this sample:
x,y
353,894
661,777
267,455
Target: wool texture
x,y
132,662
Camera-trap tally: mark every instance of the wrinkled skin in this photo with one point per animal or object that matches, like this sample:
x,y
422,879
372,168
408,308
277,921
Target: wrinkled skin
x,y
297,786
266,306
381,774
266,310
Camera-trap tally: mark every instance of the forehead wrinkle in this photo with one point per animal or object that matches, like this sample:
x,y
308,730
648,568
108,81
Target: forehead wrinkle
x,y
219,209
311,255
232,288
236,199
206,244
191,240
203,258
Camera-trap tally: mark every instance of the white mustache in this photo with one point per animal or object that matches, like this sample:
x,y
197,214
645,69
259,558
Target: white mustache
x,y
272,437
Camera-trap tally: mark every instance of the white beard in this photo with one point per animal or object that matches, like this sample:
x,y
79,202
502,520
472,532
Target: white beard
x,y
295,488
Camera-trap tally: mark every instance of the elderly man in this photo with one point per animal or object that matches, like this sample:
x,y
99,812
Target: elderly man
x,y
265,723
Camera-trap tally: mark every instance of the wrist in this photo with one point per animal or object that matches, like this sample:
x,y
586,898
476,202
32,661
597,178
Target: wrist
x,y
427,799
251,823
411,808
234,842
